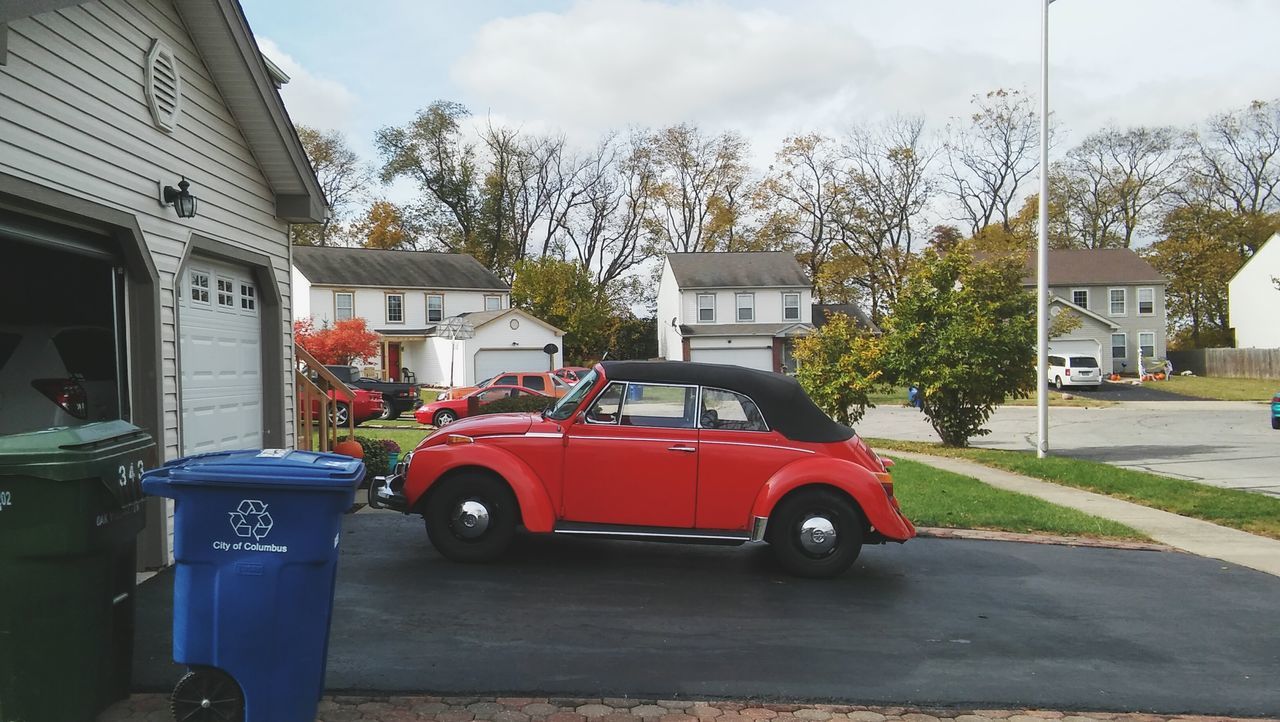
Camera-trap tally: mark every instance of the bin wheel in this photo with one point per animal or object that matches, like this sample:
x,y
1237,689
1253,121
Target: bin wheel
x,y
205,694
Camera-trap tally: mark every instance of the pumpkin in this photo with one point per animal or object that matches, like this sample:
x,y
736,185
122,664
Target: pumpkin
x,y
1160,377
349,447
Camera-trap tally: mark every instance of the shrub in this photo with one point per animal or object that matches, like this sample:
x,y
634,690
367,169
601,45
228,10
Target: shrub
x,y
375,457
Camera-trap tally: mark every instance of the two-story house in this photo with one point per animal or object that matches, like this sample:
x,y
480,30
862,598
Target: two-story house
x,y
733,308
1119,299
1253,295
442,316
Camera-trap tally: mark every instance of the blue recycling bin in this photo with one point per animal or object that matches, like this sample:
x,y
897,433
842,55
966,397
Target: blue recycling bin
x,y
256,538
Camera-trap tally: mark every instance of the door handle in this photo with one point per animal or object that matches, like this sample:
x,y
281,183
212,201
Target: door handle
x,y
688,449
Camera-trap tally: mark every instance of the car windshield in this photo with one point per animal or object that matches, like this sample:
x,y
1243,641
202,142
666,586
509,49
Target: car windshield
x,y
568,403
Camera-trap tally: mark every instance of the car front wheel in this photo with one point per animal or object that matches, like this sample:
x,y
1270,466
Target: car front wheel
x,y
339,414
444,418
816,533
471,518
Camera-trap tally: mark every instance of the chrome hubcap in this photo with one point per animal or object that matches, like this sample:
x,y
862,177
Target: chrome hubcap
x,y
817,536
471,519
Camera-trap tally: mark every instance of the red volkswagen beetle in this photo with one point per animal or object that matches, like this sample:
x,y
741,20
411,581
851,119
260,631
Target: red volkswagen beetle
x,y
656,450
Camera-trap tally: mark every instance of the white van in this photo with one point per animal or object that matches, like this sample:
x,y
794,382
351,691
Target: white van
x,y
1074,371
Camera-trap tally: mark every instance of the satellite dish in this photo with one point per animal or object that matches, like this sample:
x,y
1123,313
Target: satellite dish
x,y
456,328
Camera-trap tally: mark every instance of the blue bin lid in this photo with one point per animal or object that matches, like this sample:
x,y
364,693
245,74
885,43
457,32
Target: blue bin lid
x,y
265,467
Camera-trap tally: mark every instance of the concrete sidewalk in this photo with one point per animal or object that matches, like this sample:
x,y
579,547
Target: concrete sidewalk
x,y
148,707
1192,535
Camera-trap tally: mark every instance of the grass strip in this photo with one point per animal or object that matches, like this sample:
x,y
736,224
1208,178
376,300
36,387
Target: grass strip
x,y
1244,510
934,497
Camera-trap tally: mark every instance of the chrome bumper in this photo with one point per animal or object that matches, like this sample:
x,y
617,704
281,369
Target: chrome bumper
x,y
387,492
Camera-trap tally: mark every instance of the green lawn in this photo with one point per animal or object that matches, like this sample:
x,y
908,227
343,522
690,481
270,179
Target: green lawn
x,y
933,497
1255,513
1222,389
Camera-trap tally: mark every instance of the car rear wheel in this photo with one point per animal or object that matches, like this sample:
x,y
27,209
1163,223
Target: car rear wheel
x,y
339,414
471,518
444,418
816,533
1057,383
389,411
1275,422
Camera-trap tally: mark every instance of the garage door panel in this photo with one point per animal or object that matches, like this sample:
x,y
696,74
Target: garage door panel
x,y
752,358
1075,347
493,361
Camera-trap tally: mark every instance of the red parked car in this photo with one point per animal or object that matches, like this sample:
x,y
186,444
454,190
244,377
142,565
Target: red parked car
x,y
443,413
571,374
367,405
656,450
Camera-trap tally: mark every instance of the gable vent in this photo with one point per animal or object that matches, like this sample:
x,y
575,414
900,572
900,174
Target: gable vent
x,y
164,87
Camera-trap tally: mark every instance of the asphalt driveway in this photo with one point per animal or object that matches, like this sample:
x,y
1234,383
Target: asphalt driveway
x,y
1121,391
932,622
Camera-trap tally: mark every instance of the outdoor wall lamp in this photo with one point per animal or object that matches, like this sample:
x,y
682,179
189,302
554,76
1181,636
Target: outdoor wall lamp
x,y
180,198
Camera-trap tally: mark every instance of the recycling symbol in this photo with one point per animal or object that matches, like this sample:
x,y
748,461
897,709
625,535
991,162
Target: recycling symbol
x,y
251,519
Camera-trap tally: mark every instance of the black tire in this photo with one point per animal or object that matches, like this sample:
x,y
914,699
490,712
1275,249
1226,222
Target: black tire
x,y
1057,383
444,417
338,416
788,525
452,527
389,412
206,694
1275,422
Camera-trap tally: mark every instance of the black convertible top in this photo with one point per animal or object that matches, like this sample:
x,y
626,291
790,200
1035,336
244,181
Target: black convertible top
x,y
784,404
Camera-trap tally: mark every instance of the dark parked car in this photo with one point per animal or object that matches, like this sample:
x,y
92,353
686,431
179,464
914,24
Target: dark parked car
x,y
397,398
656,451
1275,411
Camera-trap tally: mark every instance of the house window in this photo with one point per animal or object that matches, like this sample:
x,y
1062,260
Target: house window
x,y
746,303
1146,301
248,297
1119,346
344,306
790,307
1118,299
1147,343
226,292
435,307
706,308
1080,297
493,303
199,282
395,308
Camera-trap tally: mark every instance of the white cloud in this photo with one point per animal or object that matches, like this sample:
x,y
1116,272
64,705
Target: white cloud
x,y
311,100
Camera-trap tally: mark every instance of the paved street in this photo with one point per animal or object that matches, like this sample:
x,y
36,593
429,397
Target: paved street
x,y
1224,443
933,622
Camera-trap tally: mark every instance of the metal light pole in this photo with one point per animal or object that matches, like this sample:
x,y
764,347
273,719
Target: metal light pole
x,y
1042,249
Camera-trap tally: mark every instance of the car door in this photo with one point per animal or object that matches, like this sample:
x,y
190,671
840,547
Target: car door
x,y
632,457
737,454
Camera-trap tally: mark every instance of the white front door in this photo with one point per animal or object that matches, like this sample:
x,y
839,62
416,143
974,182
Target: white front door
x,y
219,357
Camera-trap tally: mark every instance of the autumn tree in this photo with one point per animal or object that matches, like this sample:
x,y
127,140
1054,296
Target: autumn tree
x,y
387,226
808,199
699,191
988,156
564,295
839,367
962,331
344,178
344,342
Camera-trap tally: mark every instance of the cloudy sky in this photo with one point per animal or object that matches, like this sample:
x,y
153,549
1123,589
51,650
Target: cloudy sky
x,y
767,69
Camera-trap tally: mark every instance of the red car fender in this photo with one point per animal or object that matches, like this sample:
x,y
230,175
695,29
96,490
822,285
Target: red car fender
x,y
847,476
433,462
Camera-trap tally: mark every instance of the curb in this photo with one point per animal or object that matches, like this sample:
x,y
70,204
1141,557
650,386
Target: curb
x,y
1069,541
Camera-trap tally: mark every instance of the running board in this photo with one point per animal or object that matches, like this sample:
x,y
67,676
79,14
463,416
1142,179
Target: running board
x,y
653,533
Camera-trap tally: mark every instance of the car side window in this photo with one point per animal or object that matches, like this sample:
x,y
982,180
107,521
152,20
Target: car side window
x,y
660,406
491,395
508,380
730,411
605,409
537,383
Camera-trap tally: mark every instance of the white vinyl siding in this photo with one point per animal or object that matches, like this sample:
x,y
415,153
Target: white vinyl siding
x,y
706,308
1118,300
74,117
1146,301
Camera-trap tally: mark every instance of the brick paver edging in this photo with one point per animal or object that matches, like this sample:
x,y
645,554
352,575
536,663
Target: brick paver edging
x,y
425,708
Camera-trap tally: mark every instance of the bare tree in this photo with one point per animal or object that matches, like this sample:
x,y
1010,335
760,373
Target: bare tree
x,y
1238,169
344,178
989,156
807,196
696,198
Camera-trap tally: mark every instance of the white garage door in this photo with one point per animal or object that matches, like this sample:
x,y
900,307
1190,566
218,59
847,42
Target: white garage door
x,y
493,361
1075,347
220,347
752,358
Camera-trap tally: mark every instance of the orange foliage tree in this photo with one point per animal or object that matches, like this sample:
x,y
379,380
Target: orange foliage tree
x,y
345,342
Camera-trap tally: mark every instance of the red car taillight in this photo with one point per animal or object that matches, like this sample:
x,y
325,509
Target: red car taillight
x,y
1067,371
66,393
886,483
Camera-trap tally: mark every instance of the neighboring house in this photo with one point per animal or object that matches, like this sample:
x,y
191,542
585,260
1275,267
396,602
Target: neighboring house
x,y
413,299
822,312
1253,298
733,308
102,105
1119,298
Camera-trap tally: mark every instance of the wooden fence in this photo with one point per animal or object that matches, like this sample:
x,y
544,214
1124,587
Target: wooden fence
x,y
1246,363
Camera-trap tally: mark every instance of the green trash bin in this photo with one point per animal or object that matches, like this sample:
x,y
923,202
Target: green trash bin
x,y
70,512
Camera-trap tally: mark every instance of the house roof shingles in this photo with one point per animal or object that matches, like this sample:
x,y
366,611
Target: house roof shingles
x,y
755,269
1097,266
823,311
331,266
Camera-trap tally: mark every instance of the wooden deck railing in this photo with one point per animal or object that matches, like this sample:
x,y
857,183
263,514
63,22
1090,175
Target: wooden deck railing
x,y
316,409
